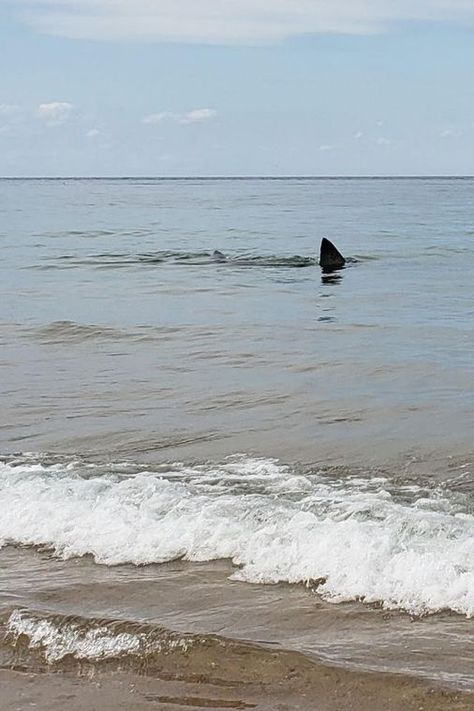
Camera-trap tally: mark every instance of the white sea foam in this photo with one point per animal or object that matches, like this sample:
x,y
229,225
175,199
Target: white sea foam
x,y
368,539
97,642
57,643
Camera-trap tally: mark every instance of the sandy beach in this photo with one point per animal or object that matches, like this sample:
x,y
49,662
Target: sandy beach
x,y
253,679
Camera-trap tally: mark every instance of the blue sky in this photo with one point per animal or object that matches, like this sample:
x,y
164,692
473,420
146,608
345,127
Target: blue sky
x,y
236,87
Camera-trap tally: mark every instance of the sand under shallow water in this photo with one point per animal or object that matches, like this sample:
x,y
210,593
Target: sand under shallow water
x,y
254,679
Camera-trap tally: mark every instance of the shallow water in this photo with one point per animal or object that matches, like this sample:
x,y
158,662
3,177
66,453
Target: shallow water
x,y
135,369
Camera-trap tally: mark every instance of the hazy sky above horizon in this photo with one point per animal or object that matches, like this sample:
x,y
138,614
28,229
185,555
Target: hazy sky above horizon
x,y
236,87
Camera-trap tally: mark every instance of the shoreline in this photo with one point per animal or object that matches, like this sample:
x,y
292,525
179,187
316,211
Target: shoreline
x,y
246,676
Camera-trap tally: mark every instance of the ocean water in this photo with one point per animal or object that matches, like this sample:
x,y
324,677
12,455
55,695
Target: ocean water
x,y
250,449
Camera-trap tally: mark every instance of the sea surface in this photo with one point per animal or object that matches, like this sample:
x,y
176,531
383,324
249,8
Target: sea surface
x,y
247,450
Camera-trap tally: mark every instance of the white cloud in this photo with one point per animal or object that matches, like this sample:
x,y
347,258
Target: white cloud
x,y
234,21
382,141
197,115
55,113
194,116
358,135
158,118
450,133
326,147
93,133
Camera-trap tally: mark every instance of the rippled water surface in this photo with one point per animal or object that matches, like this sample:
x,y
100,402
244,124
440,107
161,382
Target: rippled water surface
x,y
158,404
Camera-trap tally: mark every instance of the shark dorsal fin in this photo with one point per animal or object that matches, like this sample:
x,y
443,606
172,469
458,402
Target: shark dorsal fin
x,y
329,256
218,256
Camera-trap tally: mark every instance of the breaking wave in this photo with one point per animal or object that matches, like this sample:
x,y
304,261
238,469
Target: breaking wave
x,y
349,536
57,637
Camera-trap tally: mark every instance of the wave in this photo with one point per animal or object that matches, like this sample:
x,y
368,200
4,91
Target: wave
x,y
349,536
71,332
57,637
118,260
38,641
41,642
295,261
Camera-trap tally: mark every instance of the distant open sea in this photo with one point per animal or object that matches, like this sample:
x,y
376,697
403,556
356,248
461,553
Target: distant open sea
x,y
173,429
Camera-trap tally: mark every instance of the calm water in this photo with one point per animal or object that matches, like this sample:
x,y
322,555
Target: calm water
x,y
299,428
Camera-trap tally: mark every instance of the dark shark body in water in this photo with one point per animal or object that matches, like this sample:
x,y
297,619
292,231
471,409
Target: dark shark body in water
x,y
263,261
330,259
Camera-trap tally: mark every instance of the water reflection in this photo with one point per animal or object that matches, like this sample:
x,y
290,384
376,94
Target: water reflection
x,y
327,308
331,277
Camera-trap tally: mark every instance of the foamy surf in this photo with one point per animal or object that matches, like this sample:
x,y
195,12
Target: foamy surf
x,y
351,537
58,637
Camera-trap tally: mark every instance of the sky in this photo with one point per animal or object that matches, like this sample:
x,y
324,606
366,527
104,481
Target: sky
x,y
236,87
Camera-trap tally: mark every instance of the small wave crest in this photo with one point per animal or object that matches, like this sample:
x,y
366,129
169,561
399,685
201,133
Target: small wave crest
x,y
69,331
360,537
37,641
56,637
115,260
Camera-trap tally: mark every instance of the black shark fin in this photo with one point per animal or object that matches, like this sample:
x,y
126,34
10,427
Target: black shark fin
x,y
330,257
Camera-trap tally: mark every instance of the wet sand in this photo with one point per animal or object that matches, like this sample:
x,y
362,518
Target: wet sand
x,y
281,681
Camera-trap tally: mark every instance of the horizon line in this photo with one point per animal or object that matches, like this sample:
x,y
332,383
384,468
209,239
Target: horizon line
x,y
239,177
